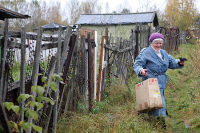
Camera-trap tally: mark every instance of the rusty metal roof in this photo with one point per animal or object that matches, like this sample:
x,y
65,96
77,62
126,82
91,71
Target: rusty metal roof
x,y
6,13
109,19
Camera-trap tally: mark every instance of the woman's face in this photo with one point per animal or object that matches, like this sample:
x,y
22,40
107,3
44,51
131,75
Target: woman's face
x,y
157,45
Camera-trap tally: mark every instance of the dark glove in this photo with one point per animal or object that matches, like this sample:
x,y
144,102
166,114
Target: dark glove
x,y
181,60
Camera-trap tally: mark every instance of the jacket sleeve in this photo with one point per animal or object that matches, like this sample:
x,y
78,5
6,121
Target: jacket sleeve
x,y
173,63
139,64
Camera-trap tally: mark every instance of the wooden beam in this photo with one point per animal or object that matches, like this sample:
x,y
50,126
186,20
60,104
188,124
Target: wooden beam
x,y
100,68
3,58
22,70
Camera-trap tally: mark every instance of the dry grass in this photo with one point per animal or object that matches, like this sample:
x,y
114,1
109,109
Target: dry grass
x,y
117,114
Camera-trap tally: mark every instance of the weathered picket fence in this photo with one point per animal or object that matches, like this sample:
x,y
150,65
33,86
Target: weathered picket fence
x,y
74,54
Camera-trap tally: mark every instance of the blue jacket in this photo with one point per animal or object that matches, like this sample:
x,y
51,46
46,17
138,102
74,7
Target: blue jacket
x,y
148,59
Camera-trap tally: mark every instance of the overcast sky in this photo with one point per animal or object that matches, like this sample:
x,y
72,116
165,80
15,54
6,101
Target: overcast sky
x,y
118,5
134,5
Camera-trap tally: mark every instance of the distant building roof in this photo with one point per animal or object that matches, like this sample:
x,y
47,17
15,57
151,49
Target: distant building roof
x,y
6,13
51,26
112,19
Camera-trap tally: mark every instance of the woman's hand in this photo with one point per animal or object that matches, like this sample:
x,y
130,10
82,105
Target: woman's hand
x,y
144,72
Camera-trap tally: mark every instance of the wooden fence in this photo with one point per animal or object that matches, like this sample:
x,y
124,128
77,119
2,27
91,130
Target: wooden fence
x,y
74,54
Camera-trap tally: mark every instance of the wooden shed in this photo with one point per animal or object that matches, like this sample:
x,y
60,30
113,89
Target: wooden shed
x,y
119,25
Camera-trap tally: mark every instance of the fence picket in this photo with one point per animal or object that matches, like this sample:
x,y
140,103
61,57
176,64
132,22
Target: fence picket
x,y
22,70
3,58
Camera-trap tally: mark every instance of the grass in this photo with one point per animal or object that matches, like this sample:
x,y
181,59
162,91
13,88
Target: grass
x,y
182,93
117,114
16,69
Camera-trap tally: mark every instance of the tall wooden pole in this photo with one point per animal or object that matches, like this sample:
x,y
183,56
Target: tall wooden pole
x,y
57,70
36,65
100,68
22,69
3,58
89,71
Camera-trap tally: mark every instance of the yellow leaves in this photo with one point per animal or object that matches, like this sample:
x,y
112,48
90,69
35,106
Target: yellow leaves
x,y
181,13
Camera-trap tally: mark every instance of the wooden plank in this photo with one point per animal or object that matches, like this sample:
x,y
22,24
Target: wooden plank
x,y
22,70
63,57
68,60
65,45
114,59
94,66
137,41
84,69
3,58
50,71
71,103
77,69
57,71
45,46
89,72
49,45
119,58
36,65
83,33
100,68
125,66
133,42
106,57
37,57
31,36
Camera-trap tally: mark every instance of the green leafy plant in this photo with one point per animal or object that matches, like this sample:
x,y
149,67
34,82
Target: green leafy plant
x,y
36,102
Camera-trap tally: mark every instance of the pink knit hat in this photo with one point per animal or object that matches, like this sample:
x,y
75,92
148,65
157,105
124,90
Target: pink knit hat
x,y
155,36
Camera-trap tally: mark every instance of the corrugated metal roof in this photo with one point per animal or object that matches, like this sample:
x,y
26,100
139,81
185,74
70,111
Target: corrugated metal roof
x,y
6,13
131,18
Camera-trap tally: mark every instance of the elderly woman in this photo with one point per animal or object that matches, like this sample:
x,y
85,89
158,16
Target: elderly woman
x,y
153,62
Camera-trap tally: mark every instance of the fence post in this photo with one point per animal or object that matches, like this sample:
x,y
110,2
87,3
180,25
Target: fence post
x,y
100,68
50,71
105,70
133,42
57,71
94,64
67,63
89,72
63,57
22,69
36,65
137,41
84,64
114,60
65,45
3,58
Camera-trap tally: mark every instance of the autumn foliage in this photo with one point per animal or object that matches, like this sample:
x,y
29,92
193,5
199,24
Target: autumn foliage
x,y
181,13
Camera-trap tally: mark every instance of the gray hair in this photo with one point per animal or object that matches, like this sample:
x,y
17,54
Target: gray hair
x,y
157,39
